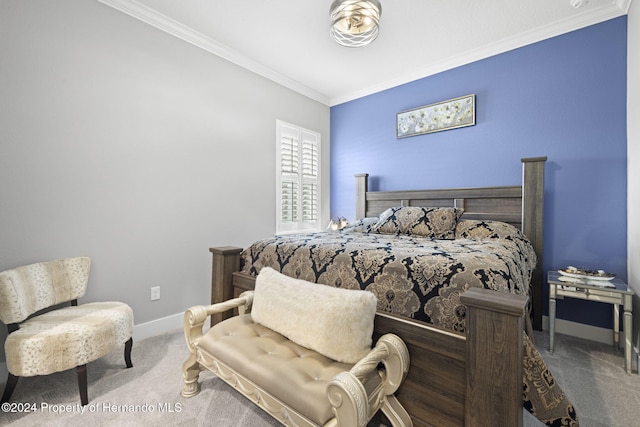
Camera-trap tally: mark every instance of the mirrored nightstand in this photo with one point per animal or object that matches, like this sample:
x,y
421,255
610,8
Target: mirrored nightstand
x,y
615,292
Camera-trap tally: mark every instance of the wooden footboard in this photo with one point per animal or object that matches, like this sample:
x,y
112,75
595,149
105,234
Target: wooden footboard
x,y
472,379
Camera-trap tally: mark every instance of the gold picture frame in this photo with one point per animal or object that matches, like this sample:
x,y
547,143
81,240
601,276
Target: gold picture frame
x,y
451,114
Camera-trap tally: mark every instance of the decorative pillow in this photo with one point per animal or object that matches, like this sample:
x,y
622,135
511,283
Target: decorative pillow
x,y
364,225
335,322
437,223
479,230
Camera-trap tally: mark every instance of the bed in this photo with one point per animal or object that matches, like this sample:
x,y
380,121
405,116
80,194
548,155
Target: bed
x,y
419,252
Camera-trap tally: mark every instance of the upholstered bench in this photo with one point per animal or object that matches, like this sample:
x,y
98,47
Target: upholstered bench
x,y
302,352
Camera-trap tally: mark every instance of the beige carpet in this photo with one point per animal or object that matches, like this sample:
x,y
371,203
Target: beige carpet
x,y
593,377
591,374
146,395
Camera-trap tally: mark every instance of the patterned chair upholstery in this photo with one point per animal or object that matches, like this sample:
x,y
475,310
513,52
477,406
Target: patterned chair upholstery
x,y
63,338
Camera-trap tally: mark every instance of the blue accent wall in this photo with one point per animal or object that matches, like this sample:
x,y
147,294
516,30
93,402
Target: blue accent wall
x,y
564,98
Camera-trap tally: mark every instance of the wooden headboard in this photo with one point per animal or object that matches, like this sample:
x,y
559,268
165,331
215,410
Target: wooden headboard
x,y
520,205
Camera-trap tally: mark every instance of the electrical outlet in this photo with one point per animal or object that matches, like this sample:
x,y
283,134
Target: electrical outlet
x,y
155,293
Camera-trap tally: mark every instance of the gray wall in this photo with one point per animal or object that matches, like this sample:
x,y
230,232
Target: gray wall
x,y
128,145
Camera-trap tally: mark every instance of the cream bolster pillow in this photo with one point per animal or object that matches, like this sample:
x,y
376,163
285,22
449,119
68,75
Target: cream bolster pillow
x,y
335,322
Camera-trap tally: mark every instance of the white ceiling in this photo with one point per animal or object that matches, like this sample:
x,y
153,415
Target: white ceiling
x,y
288,40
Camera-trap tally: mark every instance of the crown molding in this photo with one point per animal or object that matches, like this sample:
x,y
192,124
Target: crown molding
x,y
149,16
616,9
623,5
168,25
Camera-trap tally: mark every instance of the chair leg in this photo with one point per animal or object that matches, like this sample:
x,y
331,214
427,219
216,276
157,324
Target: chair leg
x,y
12,380
82,373
127,352
82,384
190,373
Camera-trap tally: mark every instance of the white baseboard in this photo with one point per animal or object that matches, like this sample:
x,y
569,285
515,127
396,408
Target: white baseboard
x,y
140,332
592,333
158,326
579,330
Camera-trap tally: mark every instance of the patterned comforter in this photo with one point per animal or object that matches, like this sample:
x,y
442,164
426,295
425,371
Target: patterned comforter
x,y
422,278
414,276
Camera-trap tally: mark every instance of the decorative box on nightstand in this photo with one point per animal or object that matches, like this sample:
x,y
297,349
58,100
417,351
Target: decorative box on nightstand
x,y
611,290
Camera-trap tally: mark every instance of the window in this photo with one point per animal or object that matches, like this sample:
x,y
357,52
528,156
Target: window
x,y
297,179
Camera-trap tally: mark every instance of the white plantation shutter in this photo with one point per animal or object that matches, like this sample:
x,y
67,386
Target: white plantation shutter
x,y
289,202
298,180
290,159
309,202
290,154
309,159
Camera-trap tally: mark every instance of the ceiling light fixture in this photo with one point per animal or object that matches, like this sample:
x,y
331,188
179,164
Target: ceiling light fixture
x,y
354,23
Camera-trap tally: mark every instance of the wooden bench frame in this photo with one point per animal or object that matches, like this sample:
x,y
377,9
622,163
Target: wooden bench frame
x,y
345,393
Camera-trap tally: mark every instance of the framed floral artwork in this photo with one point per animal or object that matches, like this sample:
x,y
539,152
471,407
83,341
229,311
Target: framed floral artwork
x,y
445,115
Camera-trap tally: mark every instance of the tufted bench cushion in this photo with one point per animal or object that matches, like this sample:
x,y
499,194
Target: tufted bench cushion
x,y
69,337
274,363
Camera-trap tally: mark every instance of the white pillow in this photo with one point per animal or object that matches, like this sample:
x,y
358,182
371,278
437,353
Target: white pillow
x,y
335,322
